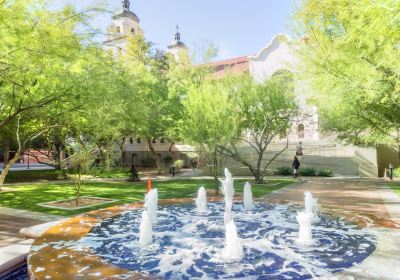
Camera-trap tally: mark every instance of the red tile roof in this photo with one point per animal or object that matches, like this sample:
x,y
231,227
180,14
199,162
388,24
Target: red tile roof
x,y
233,66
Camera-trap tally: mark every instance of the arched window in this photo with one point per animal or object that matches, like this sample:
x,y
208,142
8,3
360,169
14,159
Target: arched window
x,y
118,30
133,30
139,140
131,140
154,141
162,140
300,131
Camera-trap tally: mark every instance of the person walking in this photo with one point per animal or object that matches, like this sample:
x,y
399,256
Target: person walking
x,y
299,150
296,167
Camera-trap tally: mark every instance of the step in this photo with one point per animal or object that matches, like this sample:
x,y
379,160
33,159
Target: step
x,y
14,255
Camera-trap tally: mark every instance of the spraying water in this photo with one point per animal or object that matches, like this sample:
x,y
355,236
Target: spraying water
x,y
305,235
201,201
151,204
233,250
227,189
248,197
311,205
146,230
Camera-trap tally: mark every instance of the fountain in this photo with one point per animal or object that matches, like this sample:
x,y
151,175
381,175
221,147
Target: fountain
x,y
151,204
227,189
248,197
269,245
201,201
305,235
311,205
233,250
146,230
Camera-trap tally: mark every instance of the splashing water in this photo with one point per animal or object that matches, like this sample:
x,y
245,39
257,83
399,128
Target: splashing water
x,y
201,201
311,204
305,235
227,189
151,204
146,230
248,197
233,250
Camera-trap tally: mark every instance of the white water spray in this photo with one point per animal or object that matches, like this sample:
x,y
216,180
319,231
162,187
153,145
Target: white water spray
x,y
248,197
233,250
201,201
228,190
305,235
151,204
146,230
311,205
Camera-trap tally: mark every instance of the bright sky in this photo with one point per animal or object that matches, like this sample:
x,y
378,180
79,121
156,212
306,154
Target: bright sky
x,y
238,27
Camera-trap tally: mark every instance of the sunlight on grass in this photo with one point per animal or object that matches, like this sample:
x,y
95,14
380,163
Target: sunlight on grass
x,y
28,196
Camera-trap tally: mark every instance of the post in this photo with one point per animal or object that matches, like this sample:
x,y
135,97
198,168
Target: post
x,y
391,171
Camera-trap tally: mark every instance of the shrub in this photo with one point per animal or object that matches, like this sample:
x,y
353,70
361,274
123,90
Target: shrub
x,y
168,160
179,164
326,172
396,172
284,171
149,162
308,171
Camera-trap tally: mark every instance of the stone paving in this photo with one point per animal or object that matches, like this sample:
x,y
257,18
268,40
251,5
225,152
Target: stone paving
x,y
12,220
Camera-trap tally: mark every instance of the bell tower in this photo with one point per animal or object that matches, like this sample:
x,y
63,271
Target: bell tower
x,y
176,46
125,24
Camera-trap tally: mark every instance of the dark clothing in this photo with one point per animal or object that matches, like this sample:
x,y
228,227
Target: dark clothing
x,y
296,164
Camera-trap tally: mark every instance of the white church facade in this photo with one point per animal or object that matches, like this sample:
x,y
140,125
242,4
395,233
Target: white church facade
x,y
321,151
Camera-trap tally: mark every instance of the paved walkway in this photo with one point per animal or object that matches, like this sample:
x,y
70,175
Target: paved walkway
x,y
366,201
12,220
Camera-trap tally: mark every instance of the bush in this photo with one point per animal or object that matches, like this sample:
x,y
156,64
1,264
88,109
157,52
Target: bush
x,y
179,164
308,171
396,172
149,162
326,172
284,171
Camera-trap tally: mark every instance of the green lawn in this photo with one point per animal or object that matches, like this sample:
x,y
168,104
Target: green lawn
x,y
395,187
27,196
32,176
24,176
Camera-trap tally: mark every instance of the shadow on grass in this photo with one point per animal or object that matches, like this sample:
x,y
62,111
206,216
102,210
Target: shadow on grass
x,y
28,196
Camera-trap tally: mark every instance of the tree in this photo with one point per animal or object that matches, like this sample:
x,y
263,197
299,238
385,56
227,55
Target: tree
x,y
350,58
209,121
261,113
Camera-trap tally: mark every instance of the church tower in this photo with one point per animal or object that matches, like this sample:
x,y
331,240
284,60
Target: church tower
x,y
125,23
177,46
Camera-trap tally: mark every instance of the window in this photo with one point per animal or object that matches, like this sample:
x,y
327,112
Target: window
x,y
133,30
154,140
139,140
162,140
118,30
131,140
300,131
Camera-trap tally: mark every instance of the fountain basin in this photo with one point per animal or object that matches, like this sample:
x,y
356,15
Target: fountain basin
x,y
189,245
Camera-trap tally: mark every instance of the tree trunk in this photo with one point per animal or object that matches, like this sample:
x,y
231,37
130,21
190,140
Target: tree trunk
x,y
8,166
172,152
78,188
157,158
215,164
6,150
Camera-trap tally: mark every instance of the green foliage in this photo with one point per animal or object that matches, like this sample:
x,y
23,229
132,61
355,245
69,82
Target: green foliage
x,y
350,57
284,171
326,172
308,171
179,164
396,172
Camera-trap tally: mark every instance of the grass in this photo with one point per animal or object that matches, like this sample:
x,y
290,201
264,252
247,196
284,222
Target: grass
x,y
24,176
32,176
27,196
395,187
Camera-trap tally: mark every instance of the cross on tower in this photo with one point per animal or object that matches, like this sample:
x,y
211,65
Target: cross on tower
x,y
126,4
177,35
